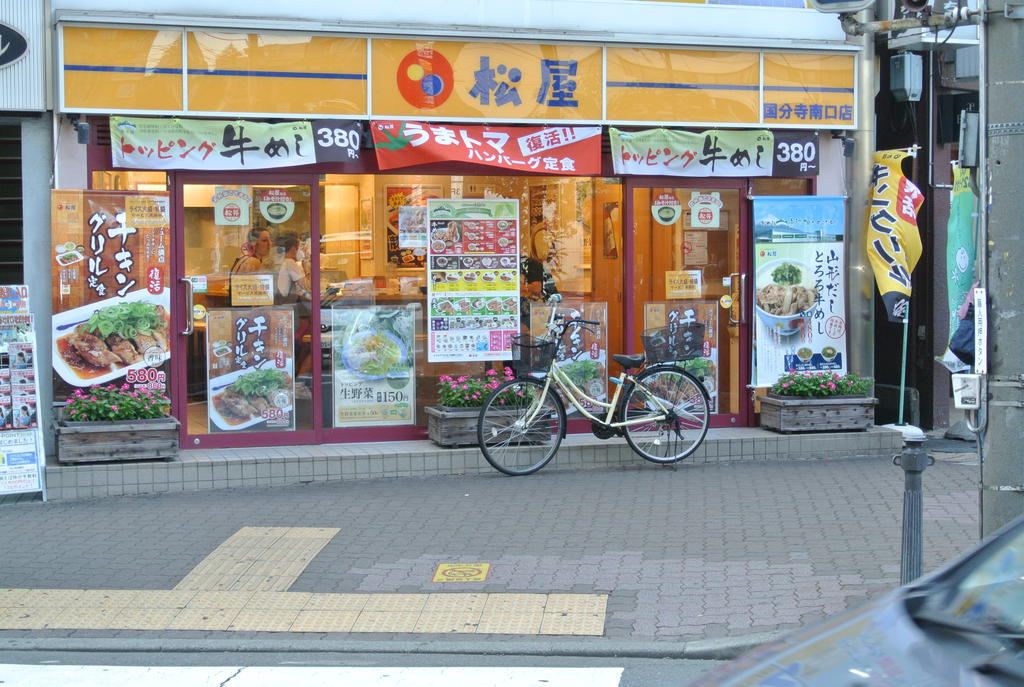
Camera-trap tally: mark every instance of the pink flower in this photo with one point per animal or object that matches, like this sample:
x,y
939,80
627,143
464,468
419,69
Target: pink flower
x,y
492,372
785,384
113,407
832,386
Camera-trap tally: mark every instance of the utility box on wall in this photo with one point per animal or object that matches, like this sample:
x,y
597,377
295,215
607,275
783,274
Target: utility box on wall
x,y
906,74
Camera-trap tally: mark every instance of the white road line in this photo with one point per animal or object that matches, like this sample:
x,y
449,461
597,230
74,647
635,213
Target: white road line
x,y
276,676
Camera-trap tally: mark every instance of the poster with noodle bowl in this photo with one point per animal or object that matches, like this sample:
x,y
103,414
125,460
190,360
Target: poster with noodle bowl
x,y
111,297
799,296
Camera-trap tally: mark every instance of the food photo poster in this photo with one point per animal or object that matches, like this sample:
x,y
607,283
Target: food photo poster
x,y
111,298
799,297
250,369
373,364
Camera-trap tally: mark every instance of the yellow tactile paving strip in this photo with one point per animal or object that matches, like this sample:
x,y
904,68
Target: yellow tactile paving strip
x,y
242,586
259,559
146,609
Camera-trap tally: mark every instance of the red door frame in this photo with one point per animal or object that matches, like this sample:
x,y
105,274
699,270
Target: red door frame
x,y
179,387
745,417
179,391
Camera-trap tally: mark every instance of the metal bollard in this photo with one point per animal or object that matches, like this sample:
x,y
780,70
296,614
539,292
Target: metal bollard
x,y
913,460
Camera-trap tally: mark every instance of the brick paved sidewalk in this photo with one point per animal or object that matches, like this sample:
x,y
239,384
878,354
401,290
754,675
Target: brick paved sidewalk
x,y
680,553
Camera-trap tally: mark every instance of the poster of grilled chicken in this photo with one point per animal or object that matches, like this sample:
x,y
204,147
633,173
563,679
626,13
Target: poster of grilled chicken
x,y
111,298
250,369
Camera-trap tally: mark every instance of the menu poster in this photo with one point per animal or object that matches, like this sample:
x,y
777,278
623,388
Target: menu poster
x,y
250,373
675,314
799,296
398,197
111,299
472,279
374,365
583,354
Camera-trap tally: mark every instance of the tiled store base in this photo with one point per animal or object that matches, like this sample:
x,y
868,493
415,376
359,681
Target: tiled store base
x,y
258,467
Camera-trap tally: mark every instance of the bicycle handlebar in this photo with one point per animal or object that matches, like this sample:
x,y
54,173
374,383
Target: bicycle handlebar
x,y
572,320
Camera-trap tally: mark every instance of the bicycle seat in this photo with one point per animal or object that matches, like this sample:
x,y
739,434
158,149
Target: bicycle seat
x,y
628,361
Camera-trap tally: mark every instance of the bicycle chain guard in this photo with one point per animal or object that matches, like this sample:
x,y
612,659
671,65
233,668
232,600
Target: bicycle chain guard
x,y
602,431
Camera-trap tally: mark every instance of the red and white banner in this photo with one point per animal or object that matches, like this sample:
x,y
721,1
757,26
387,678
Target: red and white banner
x,y
569,150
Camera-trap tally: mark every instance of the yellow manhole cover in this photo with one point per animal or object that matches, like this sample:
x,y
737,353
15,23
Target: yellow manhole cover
x,y
461,572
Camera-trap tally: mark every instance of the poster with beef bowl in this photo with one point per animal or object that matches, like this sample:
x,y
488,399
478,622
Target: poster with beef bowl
x,y
111,300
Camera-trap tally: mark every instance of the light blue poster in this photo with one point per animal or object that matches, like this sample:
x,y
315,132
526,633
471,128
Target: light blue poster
x,y
799,293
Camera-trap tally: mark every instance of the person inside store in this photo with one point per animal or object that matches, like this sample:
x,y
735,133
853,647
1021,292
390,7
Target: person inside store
x,y
536,285
255,252
292,280
20,361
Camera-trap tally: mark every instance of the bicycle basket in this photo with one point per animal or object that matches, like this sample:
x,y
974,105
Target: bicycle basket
x,y
661,345
531,355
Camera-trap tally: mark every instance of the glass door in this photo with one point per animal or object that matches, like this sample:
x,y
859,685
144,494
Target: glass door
x,y
690,265
245,280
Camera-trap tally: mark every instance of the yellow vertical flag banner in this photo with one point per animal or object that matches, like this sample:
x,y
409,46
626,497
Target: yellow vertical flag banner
x,y
893,240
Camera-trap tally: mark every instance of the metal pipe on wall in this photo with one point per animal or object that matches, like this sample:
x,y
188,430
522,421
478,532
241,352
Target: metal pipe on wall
x,y
860,280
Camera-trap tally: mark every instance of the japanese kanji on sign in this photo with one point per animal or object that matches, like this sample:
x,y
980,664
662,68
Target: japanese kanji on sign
x,y
799,295
111,299
715,153
207,144
563,150
893,242
250,369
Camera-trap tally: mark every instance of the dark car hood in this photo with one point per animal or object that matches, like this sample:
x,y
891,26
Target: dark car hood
x,y
875,644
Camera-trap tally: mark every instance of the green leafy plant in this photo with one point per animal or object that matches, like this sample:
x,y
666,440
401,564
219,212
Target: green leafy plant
x,y
812,384
113,402
125,319
260,382
787,274
470,392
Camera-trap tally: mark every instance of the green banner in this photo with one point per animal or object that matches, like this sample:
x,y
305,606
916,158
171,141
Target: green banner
x,y
960,248
209,144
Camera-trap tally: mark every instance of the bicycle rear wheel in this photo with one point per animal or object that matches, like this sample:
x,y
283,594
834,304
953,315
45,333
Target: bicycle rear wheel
x,y
676,406
520,426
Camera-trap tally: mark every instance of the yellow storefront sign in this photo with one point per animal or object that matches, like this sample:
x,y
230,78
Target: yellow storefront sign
x,y
122,69
139,70
808,89
244,73
486,80
654,85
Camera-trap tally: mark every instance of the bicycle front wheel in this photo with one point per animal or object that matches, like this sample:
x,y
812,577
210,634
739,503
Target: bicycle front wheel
x,y
670,409
520,426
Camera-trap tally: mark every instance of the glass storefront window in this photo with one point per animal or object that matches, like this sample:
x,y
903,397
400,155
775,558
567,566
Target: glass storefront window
x,y
571,226
129,181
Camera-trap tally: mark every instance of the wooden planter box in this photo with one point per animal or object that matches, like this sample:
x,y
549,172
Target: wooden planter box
x,y
831,414
90,442
450,427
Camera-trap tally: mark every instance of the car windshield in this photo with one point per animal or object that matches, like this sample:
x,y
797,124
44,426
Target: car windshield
x,y
988,589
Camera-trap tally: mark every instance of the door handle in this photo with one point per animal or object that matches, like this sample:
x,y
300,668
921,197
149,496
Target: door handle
x,y
732,290
189,319
743,298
